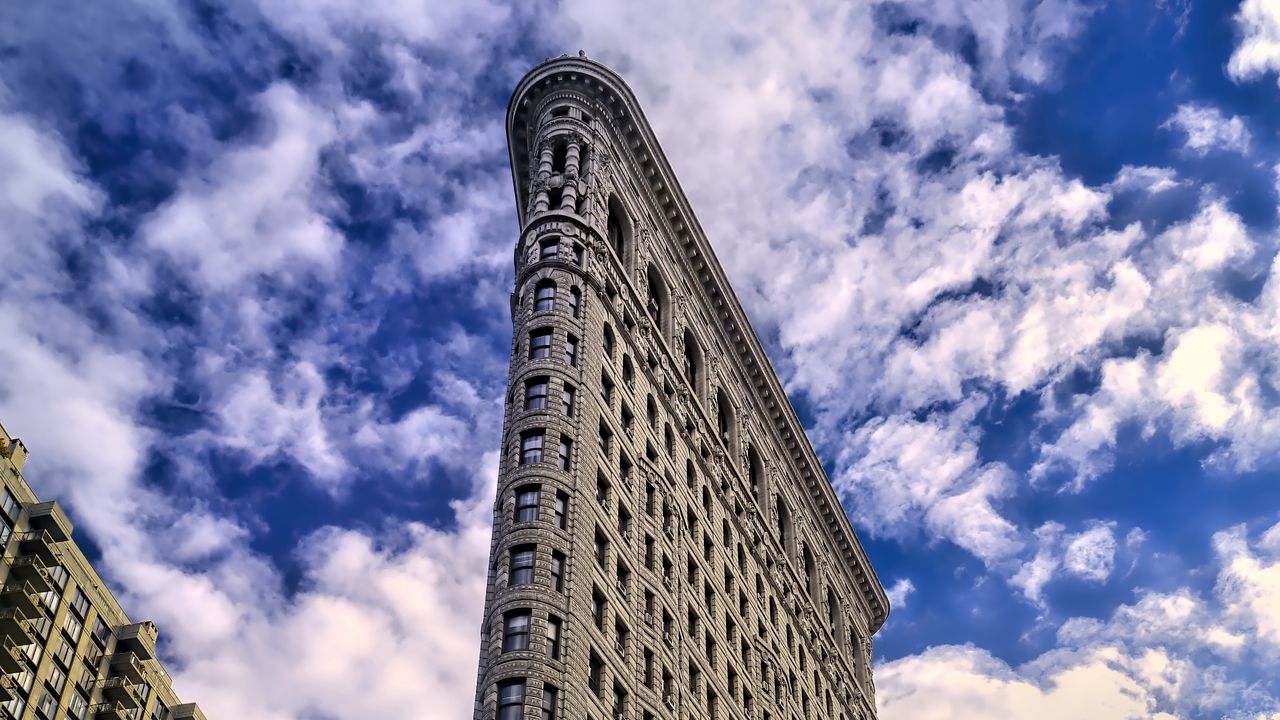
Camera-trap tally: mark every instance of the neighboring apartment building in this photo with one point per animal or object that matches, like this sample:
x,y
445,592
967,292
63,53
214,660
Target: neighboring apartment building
x,y
666,543
67,648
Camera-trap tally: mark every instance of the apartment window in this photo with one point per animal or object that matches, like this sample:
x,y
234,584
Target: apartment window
x,y
648,552
621,636
595,668
540,344
628,419
511,700
579,254
522,557
77,706
566,400
544,296
65,653
601,548
80,604
619,701
527,503
647,677
46,704
548,249
553,637
531,447
72,627
56,679
575,301
597,608
651,409
628,371
571,351
557,571
535,393
566,450
562,510
606,389
159,711
549,694
605,438
608,340
10,506
515,631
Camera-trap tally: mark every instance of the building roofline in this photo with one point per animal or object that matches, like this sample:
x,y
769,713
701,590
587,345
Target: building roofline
x,y
612,91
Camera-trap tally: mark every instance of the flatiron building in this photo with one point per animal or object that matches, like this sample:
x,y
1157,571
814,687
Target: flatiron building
x,y
666,543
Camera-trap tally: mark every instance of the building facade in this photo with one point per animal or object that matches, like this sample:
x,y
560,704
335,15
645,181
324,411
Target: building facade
x,y
67,648
666,543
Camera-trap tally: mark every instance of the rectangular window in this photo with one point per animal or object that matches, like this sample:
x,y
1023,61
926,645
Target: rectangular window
x,y
47,704
80,604
606,389
566,400
597,608
515,631
601,548
579,253
531,447
595,668
535,393
575,301
72,627
571,351
511,700
527,503
77,707
56,679
544,297
605,439
557,571
548,249
522,558
10,506
548,702
562,510
540,344
553,637
566,450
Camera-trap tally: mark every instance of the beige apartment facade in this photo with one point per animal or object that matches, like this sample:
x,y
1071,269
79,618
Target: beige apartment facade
x,y
666,543
67,648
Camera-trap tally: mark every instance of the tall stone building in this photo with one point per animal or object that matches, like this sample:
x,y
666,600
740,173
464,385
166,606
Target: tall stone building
x,y
666,543
67,648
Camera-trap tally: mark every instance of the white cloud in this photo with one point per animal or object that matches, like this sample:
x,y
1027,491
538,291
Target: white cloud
x,y
1259,50
1208,129
1150,179
950,681
1091,554
1249,584
899,592
910,473
259,208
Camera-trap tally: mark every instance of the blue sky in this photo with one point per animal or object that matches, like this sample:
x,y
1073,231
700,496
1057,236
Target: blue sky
x,y
1015,262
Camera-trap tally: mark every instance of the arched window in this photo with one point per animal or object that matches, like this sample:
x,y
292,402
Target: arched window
x,y
619,229
693,363
810,572
755,472
658,302
575,301
608,341
724,419
784,524
544,296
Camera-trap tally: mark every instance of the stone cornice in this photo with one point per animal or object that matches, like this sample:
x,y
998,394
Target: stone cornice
x,y
611,94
